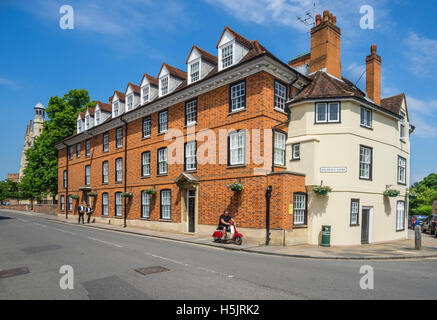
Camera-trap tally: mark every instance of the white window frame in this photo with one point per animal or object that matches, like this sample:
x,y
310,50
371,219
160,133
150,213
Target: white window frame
x,y
295,151
145,164
70,203
237,95
366,117
119,170
402,126
164,85
195,75
191,112
280,139
400,216
355,212
145,97
105,204
106,142
299,209
162,161
87,121
402,170
327,113
118,204
225,62
98,115
116,107
280,95
130,104
237,148
119,137
145,205
79,126
191,156
165,202
62,203
88,148
148,132
105,172
366,162
161,122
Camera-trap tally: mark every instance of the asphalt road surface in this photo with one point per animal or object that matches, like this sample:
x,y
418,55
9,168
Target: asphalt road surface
x,y
104,264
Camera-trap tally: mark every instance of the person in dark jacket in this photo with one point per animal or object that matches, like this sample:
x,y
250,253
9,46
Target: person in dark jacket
x,y
81,210
89,211
224,222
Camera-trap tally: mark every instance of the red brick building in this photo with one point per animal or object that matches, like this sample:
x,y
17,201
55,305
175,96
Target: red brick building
x,y
120,159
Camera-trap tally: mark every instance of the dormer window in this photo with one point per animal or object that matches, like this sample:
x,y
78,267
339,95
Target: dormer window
x,y
146,94
79,125
195,71
116,108
87,119
227,56
130,102
97,116
164,86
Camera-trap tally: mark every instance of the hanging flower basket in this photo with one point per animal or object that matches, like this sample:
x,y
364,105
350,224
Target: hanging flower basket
x,y
152,192
127,195
391,193
92,194
74,196
236,187
322,190
412,196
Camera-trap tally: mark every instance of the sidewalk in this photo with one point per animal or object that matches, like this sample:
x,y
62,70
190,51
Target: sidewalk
x,y
398,250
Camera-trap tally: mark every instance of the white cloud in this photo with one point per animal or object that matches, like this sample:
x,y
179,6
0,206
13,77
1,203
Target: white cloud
x,y
423,116
285,12
421,52
7,82
115,18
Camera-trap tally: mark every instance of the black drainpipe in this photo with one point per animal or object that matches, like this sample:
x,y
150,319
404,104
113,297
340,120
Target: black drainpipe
x,y
268,196
125,170
281,124
66,189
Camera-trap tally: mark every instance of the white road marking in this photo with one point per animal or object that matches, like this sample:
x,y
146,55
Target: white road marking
x,y
106,242
39,224
65,231
188,265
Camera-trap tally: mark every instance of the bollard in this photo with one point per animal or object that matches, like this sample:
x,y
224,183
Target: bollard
x,y
418,237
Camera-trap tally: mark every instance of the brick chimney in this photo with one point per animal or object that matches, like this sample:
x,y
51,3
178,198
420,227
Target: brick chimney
x,y
325,45
373,75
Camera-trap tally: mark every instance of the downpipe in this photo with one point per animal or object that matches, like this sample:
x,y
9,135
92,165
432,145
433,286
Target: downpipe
x,y
268,196
125,172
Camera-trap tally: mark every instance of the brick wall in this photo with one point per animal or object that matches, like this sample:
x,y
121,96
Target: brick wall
x,y
213,195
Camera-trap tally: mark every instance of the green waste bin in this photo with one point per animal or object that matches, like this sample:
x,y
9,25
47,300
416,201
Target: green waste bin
x,y
326,236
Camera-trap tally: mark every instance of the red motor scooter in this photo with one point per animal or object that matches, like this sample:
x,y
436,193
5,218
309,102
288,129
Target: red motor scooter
x,y
234,235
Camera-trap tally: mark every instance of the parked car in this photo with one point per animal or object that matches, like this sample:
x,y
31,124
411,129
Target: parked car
x,y
430,224
416,221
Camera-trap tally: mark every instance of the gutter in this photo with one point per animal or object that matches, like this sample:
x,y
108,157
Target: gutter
x,y
125,170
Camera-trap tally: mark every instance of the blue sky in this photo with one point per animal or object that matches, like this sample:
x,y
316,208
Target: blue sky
x,y
115,42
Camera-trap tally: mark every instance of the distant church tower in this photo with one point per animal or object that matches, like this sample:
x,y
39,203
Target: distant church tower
x,y
33,131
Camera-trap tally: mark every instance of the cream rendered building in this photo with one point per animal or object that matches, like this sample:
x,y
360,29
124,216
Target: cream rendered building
x,y
351,141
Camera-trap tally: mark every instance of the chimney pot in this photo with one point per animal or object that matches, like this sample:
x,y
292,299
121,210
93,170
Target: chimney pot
x,y
334,20
373,49
325,15
318,19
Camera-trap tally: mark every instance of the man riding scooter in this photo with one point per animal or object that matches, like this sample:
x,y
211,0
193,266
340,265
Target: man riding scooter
x,y
225,221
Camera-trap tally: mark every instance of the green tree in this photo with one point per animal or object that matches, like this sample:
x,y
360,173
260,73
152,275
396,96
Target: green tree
x,y
41,173
9,190
426,193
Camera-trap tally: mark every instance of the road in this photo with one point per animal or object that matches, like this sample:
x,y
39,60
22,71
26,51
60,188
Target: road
x,y
104,264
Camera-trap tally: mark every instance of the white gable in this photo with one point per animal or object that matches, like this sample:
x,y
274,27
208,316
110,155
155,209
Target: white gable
x,y
227,37
194,55
163,72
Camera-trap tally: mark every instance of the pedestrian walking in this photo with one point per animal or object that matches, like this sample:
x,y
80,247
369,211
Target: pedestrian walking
x,y
89,211
81,210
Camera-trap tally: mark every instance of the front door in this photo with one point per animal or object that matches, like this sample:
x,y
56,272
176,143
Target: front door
x,y
191,207
365,223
